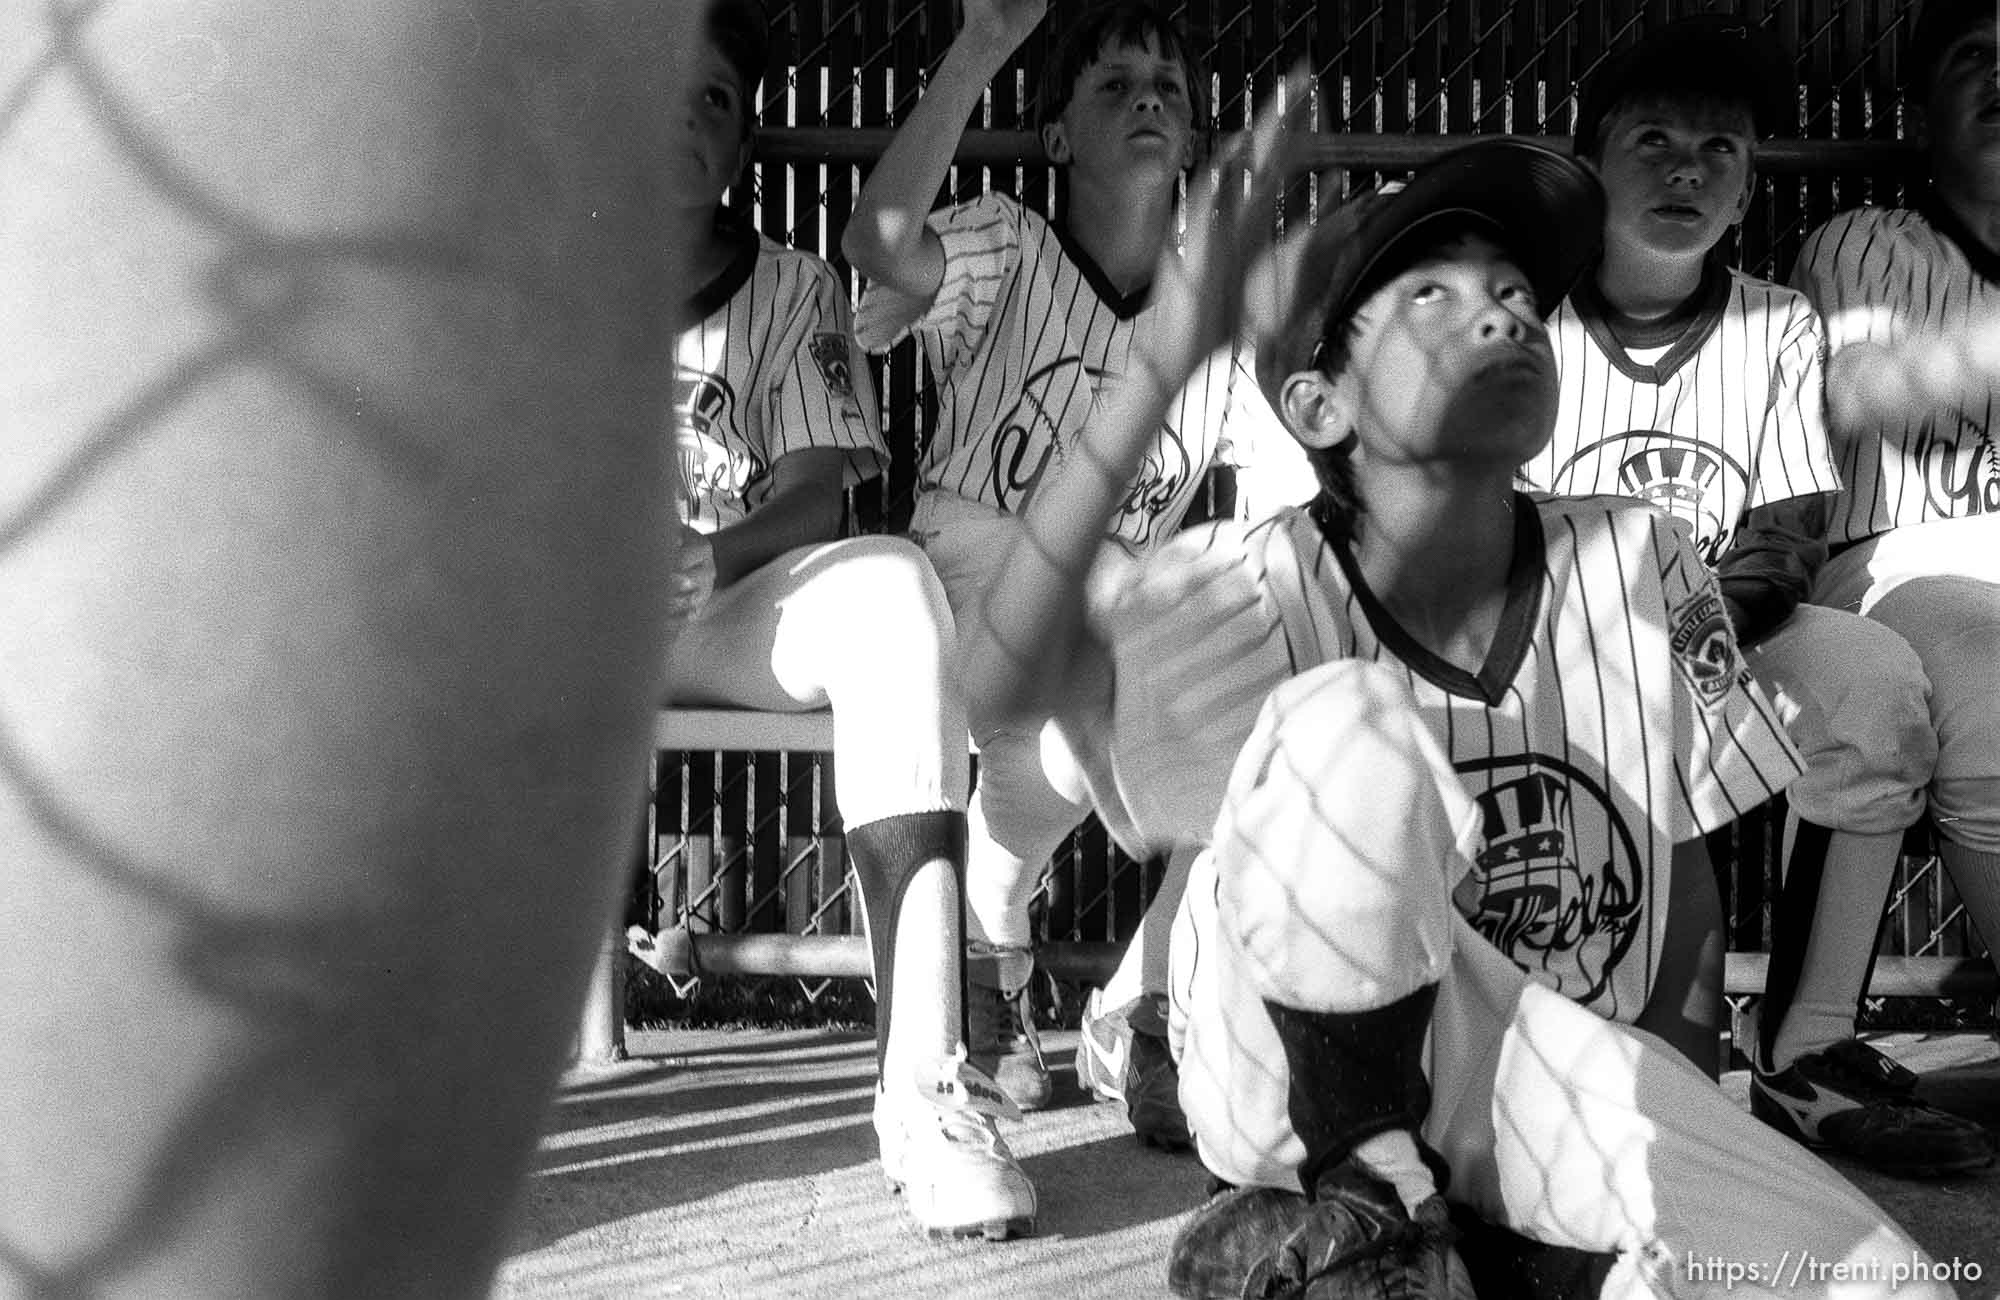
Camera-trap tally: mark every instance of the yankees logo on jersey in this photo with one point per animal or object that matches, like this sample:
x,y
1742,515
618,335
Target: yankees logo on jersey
x,y
1613,717
1559,883
1705,416
1029,432
771,368
1025,336
709,468
1879,275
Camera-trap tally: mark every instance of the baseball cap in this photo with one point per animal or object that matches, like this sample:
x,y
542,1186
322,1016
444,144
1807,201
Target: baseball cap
x,y
1939,23
741,30
1545,208
1717,52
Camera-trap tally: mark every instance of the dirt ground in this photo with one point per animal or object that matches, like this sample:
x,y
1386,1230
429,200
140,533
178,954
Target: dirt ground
x,y
741,1164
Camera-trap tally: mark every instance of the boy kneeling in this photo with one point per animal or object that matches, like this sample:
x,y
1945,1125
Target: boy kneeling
x,y
1478,729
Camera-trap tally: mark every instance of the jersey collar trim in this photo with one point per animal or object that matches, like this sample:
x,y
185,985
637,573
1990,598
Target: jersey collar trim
x,y
1122,305
1682,331
734,276
1512,638
1943,220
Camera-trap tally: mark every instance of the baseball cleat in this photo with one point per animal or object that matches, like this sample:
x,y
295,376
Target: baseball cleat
x,y
1123,1056
1853,1100
942,1153
1000,1023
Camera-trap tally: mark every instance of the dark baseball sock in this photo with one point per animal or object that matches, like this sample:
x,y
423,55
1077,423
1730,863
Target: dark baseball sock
x,y
1354,1075
1791,932
887,855
1502,1262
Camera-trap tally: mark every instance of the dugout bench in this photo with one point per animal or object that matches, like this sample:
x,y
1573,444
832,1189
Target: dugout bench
x,y
687,954
1783,164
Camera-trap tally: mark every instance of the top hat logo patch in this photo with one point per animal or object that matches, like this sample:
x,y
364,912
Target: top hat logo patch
x,y
1558,883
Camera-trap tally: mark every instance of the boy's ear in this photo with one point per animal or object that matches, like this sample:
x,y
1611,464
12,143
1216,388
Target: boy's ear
x,y
1319,411
1055,142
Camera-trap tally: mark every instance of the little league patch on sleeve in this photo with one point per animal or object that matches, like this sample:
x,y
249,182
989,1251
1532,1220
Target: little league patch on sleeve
x,y
830,354
1703,645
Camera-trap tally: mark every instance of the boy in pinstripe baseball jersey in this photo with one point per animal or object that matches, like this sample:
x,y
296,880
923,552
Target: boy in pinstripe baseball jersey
x,y
1026,322
774,417
1911,300
1697,388
1460,751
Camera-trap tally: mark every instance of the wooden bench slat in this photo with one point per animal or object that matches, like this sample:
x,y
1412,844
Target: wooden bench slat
x,y
847,956
810,731
743,729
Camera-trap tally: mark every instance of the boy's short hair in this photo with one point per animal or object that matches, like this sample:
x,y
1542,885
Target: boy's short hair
x,y
1939,23
741,33
1116,22
1708,60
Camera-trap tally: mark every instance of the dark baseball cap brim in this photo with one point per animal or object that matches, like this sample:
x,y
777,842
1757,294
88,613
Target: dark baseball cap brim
x,y
1939,23
1713,49
1544,208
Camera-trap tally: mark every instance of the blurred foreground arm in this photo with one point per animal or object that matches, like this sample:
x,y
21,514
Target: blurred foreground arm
x,y
334,504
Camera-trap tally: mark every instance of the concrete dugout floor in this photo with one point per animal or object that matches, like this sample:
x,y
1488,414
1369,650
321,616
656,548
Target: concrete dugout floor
x,y
741,1163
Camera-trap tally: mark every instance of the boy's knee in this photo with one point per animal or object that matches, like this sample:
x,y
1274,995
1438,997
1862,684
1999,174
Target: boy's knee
x,y
1338,840
1858,706
1965,796
893,594
1025,811
1954,626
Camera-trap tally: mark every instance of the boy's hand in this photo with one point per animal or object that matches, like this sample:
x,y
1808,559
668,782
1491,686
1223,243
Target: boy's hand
x,y
692,580
1003,23
1201,293
1869,384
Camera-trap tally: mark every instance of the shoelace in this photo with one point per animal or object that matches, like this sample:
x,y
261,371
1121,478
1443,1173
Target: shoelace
x,y
1004,1013
969,1128
1864,1075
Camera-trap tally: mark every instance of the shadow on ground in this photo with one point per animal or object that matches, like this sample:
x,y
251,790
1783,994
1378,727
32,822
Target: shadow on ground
x,y
742,1163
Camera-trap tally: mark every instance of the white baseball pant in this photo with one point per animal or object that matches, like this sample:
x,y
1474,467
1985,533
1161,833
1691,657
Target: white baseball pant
x,y
860,625
1328,889
1938,586
1031,792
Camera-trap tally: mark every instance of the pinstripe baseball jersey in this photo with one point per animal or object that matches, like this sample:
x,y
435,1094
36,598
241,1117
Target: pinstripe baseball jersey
x,y
1879,274
1024,336
1612,719
1706,415
772,368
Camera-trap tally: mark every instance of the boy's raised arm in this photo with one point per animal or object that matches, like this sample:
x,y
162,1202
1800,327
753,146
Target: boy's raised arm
x,y
887,238
1026,649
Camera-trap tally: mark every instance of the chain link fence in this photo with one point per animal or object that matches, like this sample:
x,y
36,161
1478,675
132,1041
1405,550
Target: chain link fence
x,y
741,842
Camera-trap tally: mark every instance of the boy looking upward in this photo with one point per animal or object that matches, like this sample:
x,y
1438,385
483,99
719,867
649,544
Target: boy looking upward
x,y
1698,389
1026,324
1422,719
